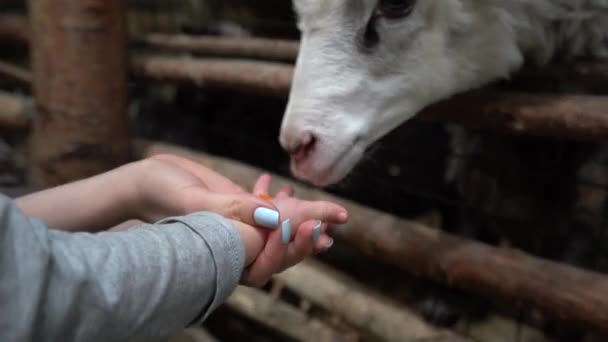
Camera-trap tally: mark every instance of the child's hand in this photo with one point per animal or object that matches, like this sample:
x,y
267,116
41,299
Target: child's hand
x,y
302,233
299,211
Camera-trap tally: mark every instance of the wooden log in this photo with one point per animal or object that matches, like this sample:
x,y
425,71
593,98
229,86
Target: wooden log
x,y
581,75
79,59
574,117
358,305
282,317
14,28
580,117
558,290
194,335
586,74
256,48
15,73
499,329
258,77
14,111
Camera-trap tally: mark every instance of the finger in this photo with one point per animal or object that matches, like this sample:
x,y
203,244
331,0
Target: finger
x,y
303,244
286,192
213,180
241,207
322,240
262,185
270,259
323,211
324,243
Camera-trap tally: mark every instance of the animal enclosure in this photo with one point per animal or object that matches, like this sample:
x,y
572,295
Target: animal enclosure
x,y
485,219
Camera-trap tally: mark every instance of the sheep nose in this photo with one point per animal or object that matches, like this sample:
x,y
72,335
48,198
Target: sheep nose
x,y
299,146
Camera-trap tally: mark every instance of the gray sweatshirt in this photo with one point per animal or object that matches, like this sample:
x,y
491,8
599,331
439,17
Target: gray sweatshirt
x,y
145,284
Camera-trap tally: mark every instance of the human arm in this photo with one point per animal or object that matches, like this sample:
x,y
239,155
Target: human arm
x,y
155,188
167,185
146,190
92,204
146,283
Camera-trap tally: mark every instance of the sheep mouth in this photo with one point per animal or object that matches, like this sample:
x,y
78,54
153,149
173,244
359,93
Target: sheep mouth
x,y
334,171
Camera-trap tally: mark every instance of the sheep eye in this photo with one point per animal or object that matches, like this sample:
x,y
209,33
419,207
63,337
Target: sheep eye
x,y
395,9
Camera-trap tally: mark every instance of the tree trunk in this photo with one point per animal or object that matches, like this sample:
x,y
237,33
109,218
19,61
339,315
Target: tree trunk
x,y
79,60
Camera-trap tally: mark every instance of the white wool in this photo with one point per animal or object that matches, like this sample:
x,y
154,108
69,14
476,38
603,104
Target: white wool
x,y
348,97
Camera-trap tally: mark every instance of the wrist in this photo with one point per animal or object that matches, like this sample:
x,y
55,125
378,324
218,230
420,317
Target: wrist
x,y
102,201
129,200
253,239
147,191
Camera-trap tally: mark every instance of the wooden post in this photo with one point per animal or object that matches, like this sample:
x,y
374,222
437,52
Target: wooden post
x,y
14,111
79,60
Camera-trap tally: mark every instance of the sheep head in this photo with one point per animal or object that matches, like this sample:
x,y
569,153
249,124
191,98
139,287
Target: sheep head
x,y
367,66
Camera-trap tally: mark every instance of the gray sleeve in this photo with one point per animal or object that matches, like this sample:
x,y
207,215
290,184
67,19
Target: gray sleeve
x,y
144,284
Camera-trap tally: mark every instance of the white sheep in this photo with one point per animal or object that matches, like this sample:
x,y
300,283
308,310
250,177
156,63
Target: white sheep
x,y
367,66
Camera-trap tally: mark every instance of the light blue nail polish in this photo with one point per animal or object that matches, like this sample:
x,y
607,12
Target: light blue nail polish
x,y
266,218
316,232
286,232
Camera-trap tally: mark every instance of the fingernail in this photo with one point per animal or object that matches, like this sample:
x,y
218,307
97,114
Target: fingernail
x,y
316,232
286,231
330,243
343,216
266,218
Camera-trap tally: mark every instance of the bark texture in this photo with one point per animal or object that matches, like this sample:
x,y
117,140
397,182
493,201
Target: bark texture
x,y
79,59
